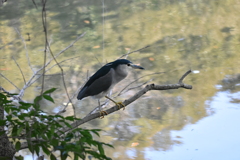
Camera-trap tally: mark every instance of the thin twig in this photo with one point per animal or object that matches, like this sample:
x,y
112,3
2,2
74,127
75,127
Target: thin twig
x,y
47,45
34,4
181,79
39,70
103,26
44,23
9,81
137,80
63,80
25,46
20,70
134,51
40,75
74,95
134,87
8,43
69,101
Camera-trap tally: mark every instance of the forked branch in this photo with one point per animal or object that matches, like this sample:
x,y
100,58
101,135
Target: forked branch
x,y
147,88
115,108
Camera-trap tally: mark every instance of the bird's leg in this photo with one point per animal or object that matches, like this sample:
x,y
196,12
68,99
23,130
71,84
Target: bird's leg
x,y
101,112
119,104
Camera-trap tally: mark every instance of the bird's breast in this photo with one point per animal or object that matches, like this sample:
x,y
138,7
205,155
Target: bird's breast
x,y
120,73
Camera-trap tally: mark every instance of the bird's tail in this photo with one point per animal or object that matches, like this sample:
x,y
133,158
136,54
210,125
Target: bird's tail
x,y
81,94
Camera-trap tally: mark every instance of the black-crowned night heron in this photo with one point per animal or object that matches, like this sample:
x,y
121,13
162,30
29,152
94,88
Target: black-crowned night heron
x,y
102,82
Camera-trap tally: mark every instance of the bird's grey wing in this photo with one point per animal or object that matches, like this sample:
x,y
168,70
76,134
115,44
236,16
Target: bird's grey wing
x,y
99,85
82,94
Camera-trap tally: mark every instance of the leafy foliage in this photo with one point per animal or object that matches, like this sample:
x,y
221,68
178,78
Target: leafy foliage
x,y
27,123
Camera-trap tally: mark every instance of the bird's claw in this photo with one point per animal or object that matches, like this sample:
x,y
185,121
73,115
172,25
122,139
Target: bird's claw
x,y
119,104
102,113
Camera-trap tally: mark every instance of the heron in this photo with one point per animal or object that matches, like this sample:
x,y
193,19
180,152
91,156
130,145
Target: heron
x,y
101,83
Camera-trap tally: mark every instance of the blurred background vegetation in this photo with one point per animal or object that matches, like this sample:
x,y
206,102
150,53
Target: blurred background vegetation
x,y
201,35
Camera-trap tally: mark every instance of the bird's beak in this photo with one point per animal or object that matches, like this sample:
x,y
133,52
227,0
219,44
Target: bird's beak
x,y
136,66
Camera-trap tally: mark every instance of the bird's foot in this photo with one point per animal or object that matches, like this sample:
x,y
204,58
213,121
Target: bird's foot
x,y
119,104
102,113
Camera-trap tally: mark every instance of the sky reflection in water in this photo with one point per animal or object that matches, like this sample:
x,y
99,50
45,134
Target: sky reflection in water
x,y
214,137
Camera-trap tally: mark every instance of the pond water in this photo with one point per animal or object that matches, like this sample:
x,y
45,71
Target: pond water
x,y
201,35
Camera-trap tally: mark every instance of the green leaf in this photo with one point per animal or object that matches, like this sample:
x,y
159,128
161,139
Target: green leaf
x,y
68,125
95,132
37,149
19,157
70,118
52,129
2,132
47,97
44,137
37,99
14,131
2,122
86,134
49,135
21,116
49,91
76,155
36,102
93,153
3,98
68,137
18,146
25,104
100,148
45,150
19,131
30,146
52,157
54,142
109,145
7,109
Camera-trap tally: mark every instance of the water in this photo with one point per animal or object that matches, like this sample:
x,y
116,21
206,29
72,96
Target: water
x,y
177,124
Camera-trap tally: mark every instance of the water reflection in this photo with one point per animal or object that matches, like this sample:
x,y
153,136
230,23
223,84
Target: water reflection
x,y
198,35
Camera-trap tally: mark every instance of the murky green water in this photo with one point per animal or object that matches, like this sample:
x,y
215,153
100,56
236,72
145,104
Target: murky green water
x,y
202,35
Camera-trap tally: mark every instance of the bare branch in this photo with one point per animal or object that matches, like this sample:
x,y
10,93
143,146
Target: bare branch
x,y
133,51
185,75
25,46
130,100
74,95
69,101
44,23
137,80
135,87
125,103
40,75
29,83
9,81
20,70
47,45
34,4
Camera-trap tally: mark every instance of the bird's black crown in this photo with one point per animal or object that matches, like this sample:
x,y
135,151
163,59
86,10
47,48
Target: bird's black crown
x,y
118,62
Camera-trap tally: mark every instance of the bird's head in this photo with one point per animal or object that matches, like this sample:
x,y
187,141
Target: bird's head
x,y
122,66
125,63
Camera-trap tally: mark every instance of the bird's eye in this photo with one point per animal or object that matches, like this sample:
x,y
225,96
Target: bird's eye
x,y
128,64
